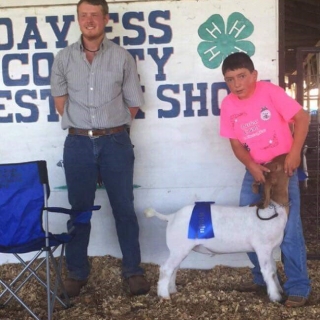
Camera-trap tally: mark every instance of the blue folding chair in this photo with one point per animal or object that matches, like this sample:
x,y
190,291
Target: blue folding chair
x,y
24,228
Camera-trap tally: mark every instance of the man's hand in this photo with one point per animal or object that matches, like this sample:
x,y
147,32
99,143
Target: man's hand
x,y
59,103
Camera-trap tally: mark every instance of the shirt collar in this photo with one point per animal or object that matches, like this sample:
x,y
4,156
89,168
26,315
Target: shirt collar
x,y
103,45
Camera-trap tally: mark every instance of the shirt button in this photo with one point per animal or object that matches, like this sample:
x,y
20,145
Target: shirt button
x,y
91,89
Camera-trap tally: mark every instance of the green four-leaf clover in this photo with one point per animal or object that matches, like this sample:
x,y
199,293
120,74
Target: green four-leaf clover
x,y
220,41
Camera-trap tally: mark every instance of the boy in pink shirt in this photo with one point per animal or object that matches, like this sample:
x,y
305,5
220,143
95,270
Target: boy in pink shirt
x,y
255,116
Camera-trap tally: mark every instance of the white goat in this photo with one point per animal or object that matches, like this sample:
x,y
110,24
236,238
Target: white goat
x,y
236,229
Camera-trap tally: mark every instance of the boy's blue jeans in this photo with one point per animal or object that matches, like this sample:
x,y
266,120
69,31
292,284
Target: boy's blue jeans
x,y
293,245
113,156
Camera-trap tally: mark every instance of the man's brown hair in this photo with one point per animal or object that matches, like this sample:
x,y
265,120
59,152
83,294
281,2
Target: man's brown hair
x,y
102,3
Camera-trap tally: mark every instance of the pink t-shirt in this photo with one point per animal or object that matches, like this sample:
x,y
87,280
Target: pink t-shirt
x,y
261,122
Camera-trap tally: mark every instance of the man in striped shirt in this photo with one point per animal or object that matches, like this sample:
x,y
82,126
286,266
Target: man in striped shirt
x,y
96,91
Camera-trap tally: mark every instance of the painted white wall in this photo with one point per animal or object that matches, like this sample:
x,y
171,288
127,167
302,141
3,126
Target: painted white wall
x,y
34,3
180,159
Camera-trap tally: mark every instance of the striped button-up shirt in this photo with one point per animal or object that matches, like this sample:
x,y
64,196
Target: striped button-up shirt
x,y
99,94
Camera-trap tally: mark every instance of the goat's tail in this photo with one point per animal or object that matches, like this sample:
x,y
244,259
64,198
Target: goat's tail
x,y
150,212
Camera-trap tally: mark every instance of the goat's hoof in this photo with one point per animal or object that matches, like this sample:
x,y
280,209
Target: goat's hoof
x,y
163,294
262,205
259,205
173,290
276,297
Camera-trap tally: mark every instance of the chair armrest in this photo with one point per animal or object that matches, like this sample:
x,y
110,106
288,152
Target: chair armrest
x,y
70,211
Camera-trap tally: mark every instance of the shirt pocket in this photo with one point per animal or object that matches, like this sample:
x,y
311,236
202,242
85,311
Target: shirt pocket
x,y
109,85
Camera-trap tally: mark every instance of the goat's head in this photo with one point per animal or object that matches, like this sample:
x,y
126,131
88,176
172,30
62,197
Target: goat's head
x,y
277,182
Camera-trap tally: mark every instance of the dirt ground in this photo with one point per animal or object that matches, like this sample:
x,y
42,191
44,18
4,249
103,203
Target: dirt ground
x,y
202,295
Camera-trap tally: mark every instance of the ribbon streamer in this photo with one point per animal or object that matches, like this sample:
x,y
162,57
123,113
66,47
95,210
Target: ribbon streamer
x,y
200,226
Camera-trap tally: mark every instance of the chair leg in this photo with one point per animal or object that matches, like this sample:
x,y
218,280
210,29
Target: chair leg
x,y
58,280
57,272
26,267
48,285
18,299
51,293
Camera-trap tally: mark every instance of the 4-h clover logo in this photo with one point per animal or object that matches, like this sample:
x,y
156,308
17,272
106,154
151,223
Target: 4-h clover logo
x,y
220,40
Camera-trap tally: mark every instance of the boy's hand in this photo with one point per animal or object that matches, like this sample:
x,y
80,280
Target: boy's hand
x,y
257,171
292,162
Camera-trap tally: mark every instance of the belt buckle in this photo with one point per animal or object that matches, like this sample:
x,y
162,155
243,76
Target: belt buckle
x,y
90,133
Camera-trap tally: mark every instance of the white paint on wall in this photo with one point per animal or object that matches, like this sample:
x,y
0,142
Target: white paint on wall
x,y
179,159
33,3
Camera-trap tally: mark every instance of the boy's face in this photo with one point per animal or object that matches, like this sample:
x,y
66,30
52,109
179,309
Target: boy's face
x,y
241,82
92,21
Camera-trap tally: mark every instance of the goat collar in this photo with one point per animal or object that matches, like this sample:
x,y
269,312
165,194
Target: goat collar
x,y
273,206
269,218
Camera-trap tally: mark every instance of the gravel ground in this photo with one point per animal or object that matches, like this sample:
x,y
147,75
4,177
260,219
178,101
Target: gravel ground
x,y
202,295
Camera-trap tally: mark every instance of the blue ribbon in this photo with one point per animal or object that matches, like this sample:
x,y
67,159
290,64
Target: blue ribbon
x,y
200,226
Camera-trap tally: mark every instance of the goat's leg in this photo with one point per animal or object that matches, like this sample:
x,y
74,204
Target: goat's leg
x,y
276,279
269,273
168,274
266,194
172,283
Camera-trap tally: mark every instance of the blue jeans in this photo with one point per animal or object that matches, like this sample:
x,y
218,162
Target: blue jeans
x,y
113,157
293,245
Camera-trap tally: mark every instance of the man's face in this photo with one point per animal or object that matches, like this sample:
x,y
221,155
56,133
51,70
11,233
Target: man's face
x,y
241,82
92,21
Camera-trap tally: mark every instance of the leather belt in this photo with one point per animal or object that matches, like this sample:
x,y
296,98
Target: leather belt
x,y
96,132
